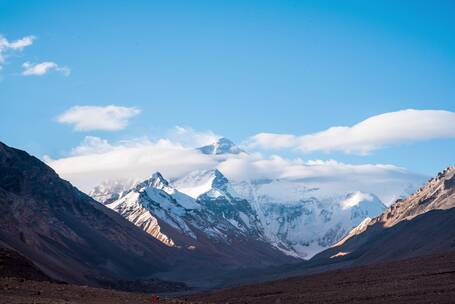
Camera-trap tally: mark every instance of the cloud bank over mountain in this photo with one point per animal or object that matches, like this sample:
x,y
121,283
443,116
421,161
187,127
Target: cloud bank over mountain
x,y
179,152
96,160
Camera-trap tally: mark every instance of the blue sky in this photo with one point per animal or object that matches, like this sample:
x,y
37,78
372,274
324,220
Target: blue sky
x,y
236,68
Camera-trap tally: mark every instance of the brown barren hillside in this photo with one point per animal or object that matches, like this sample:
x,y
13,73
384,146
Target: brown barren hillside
x,y
429,279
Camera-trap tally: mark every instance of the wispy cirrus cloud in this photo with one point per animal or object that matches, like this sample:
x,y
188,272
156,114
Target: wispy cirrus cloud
x,y
90,118
39,69
368,135
10,46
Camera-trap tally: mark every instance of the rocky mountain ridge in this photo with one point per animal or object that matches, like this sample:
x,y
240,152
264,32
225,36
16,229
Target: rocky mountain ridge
x,y
437,194
66,233
422,224
208,202
73,238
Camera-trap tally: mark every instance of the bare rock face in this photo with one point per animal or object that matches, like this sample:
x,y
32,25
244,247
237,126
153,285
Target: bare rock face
x,y
438,193
422,224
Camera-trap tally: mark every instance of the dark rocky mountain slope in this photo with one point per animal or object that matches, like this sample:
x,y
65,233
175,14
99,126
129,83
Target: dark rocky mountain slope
x,y
64,232
13,265
75,239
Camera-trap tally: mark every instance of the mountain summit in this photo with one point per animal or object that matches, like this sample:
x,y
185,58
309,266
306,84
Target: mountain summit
x,y
211,224
221,146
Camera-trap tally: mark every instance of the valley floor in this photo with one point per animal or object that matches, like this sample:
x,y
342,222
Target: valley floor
x,y
428,279
20,291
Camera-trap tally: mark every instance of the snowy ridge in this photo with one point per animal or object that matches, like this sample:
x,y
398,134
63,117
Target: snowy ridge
x,y
129,207
215,214
162,203
298,217
213,191
292,220
357,230
197,183
301,224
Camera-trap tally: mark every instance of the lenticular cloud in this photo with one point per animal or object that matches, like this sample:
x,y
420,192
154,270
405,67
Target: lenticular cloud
x,y
371,134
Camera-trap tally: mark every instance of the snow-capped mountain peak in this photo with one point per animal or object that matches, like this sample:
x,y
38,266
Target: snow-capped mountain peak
x,y
155,203
219,181
200,182
156,181
221,146
287,214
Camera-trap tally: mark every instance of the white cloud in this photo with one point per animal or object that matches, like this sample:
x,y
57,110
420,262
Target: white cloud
x,y
38,69
96,160
42,68
355,199
17,45
368,135
329,177
273,141
92,145
88,118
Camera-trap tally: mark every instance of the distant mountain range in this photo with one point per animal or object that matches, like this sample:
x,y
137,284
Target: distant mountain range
x,y
208,202
205,230
283,213
73,238
421,225
216,224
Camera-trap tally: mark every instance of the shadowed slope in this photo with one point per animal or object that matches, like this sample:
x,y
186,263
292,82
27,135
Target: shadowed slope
x,y
66,233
